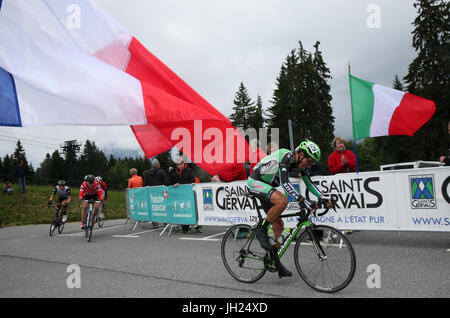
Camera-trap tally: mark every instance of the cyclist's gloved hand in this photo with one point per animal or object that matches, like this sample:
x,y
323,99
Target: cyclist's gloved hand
x,y
49,203
65,205
306,204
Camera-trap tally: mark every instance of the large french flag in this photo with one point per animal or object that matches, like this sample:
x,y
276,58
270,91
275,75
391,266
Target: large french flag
x,y
67,62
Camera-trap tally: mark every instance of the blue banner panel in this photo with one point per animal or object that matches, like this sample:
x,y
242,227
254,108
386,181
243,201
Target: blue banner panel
x,y
9,107
175,205
138,204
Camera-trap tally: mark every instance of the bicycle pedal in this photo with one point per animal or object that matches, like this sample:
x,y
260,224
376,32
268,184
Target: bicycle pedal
x,y
270,265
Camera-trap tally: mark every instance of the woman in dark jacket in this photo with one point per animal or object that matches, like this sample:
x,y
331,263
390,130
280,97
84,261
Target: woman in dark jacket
x,y
182,174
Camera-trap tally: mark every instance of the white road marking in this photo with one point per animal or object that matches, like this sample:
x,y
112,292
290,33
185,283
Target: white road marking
x,y
199,239
134,235
208,238
95,230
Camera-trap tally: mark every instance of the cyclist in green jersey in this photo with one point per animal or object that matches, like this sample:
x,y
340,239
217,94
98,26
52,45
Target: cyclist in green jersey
x,y
273,171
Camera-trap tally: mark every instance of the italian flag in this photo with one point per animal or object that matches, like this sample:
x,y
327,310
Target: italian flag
x,y
383,111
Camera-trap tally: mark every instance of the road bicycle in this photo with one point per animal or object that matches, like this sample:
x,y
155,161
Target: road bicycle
x,y
323,256
89,220
57,222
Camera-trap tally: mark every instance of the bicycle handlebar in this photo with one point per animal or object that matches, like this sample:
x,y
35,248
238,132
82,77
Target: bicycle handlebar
x,y
314,203
325,201
92,201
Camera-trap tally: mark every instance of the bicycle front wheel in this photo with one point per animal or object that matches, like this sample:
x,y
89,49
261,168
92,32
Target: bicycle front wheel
x,y
242,254
88,226
325,259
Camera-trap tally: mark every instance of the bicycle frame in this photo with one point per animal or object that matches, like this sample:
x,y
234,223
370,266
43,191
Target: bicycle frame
x,y
292,235
58,211
303,222
90,210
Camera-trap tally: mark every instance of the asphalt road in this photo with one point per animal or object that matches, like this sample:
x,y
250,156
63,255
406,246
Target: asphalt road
x,y
141,263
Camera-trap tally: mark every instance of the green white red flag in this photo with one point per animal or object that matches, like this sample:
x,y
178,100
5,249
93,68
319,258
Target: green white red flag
x,y
383,111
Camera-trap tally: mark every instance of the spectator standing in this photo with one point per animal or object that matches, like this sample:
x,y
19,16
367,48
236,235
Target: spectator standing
x,y
19,173
341,160
182,174
155,176
135,181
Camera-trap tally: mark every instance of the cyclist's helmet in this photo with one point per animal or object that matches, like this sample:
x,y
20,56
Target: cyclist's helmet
x,y
98,179
61,183
90,178
310,148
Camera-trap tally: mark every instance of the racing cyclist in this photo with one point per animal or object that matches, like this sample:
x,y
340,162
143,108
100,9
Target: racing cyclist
x,y
273,171
64,197
105,193
90,190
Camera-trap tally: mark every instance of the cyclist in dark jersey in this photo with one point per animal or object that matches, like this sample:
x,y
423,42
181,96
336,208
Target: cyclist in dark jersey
x,y
64,197
273,171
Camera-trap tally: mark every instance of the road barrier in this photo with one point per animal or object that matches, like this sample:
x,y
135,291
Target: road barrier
x,y
399,200
174,205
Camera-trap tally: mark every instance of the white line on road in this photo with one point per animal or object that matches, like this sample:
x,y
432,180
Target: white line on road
x,y
96,230
136,234
208,238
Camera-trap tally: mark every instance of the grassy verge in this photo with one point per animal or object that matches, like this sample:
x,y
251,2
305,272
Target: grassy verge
x,y
32,207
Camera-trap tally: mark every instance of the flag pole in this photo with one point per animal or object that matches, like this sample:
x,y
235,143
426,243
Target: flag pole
x,y
351,103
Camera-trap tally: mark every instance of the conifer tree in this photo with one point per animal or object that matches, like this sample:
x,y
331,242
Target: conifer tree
x,y
243,103
302,94
255,115
429,76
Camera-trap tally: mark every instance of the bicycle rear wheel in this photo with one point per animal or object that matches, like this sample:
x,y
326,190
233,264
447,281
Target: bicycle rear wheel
x,y
54,223
334,269
60,224
101,220
242,254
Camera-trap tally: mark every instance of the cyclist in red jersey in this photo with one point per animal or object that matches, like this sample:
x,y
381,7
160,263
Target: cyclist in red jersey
x,y
105,193
90,190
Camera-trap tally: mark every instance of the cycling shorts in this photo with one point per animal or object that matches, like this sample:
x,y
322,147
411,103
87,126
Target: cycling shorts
x,y
261,191
91,197
61,199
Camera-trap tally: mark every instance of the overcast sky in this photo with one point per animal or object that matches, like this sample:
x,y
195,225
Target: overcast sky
x,y
214,45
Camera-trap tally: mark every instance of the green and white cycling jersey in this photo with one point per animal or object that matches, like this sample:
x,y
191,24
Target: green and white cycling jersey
x,y
273,171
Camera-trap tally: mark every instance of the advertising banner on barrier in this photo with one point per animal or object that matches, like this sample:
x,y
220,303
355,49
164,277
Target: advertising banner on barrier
x,y
175,205
138,204
410,200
